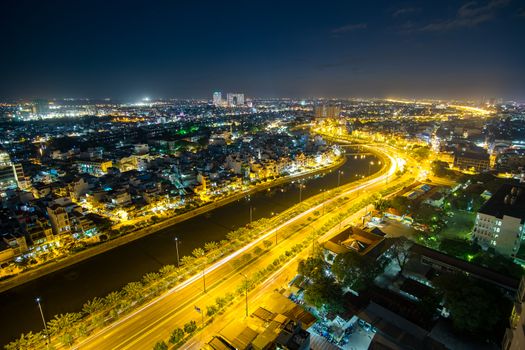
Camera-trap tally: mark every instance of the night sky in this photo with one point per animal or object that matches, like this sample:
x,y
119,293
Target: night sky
x,y
131,49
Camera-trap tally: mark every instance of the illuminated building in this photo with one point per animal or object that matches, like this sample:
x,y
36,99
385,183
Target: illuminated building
x,y
7,173
96,168
59,219
217,98
500,222
472,160
235,99
40,107
327,111
21,179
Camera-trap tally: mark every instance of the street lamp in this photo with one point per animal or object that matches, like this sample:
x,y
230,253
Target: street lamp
x,y
245,290
323,191
43,320
204,275
369,164
177,248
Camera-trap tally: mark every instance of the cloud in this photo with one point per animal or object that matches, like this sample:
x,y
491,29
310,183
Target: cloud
x,y
521,13
349,28
404,11
469,15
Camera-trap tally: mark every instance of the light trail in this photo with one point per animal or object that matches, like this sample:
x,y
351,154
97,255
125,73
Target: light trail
x,y
227,259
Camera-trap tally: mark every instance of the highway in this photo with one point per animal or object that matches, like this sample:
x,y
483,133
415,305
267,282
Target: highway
x,y
155,320
262,294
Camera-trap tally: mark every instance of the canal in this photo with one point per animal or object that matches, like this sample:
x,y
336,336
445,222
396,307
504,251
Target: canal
x,y
68,289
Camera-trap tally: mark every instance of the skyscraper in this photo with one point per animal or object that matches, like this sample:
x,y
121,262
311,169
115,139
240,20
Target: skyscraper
x,y
327,111
217,98
235,99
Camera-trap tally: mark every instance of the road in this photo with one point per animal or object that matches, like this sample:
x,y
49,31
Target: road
x,y
155,320
263,293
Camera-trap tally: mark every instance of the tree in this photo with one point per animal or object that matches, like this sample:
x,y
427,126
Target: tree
x,y
233,235
460,248
355,271
190,327
421,153
112,298
209,246
63,322
177,335
440,169
267,244
312,268
198,252
382,204
221,302
187,260
476,307
94,305
133,289
151,278
347,268
160,345
401,252
427,214
401,204
211,310
325,293
167,270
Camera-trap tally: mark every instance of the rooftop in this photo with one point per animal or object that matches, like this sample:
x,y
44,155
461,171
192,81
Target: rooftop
x,y
509,200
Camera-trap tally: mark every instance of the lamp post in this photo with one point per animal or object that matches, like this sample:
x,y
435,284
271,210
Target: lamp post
x,y
369,164
177,248
251,213
339,177
245,290
204,276
323,191
43,320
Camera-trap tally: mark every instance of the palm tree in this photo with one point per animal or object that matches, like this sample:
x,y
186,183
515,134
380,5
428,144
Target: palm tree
x,y
209,246
94,305
113,298
27,341
61,323
133,289
151,278
198,252
233,235
187,260
167,270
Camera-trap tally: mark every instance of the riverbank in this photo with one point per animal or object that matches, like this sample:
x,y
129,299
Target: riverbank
x,y
44,270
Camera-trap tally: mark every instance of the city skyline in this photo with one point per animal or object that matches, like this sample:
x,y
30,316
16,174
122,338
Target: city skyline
x,y
382,49
262,175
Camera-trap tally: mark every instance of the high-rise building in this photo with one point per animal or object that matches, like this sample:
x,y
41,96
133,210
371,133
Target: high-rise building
x,y
217,98
40,107
235,99
327,111
7,173
22,181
